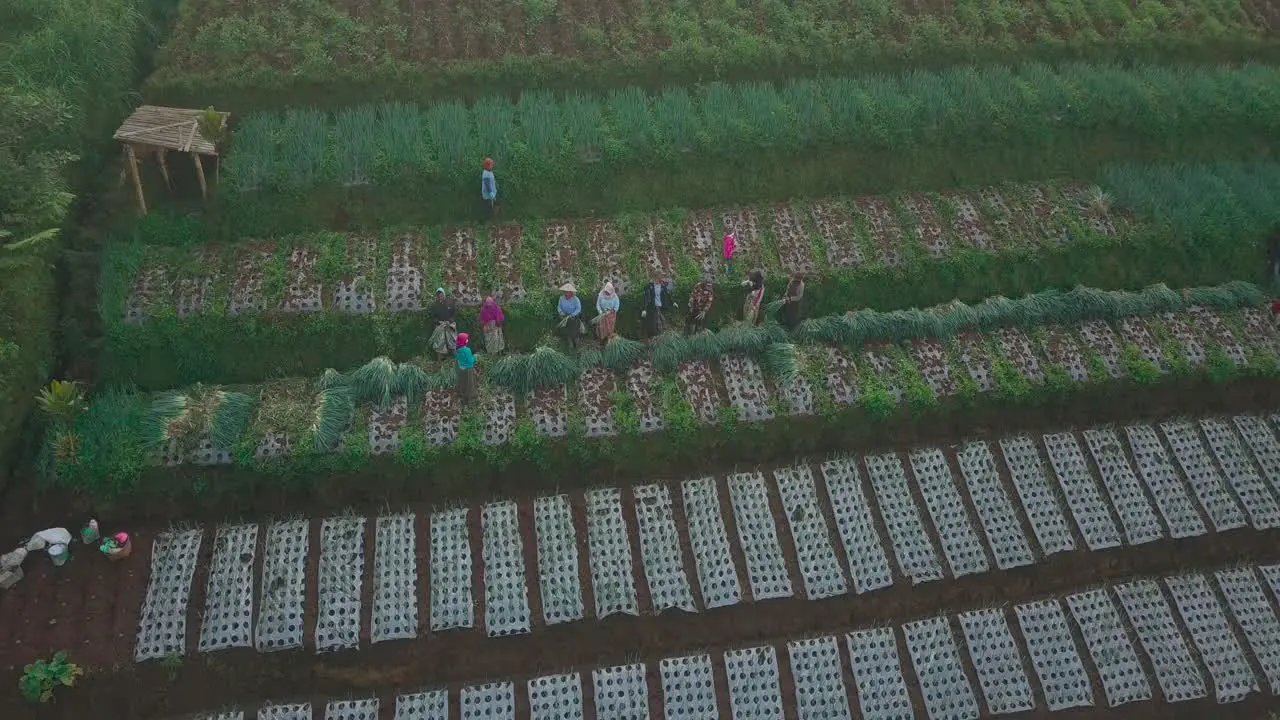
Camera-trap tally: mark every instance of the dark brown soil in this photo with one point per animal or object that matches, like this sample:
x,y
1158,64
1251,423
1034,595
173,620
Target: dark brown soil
x,y
246,678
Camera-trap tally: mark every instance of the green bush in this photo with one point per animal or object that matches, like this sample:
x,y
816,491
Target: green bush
x,y
41,678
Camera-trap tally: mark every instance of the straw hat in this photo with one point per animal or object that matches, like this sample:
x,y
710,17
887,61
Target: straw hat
x,y
568,287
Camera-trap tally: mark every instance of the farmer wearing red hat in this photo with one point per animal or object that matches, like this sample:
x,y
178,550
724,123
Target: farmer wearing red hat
x,y
489,186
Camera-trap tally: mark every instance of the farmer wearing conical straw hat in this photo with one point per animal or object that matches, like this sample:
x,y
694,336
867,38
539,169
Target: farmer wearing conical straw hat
x,y
570,310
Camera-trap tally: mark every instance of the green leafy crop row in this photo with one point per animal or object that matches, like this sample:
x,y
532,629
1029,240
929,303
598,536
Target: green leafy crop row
x,y
323,426
631,148
309,51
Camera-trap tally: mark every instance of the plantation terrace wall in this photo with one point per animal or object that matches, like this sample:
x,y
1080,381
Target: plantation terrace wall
x,y
745,394
371,166
251,56
297,305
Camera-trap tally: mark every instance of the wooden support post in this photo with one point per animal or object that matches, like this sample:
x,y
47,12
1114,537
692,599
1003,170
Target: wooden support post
x,y
164,167
137,181
204,190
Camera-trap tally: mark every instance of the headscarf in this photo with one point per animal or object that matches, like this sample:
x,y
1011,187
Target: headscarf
x,y
440,291
491,312
607,300
463,338
121,537
488,163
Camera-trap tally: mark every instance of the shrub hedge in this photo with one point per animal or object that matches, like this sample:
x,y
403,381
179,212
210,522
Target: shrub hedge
x,y
324,426
1210,237
65,76
369,166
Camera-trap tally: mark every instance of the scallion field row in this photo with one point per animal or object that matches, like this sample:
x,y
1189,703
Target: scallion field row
x,y
543,138
287,53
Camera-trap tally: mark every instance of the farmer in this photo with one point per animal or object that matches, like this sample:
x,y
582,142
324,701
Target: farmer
x,y
729,247
117,547
570,310
792,302
607,304
466,369
1273,256
657,298
489,187
700,298
445,312
755,294
491,320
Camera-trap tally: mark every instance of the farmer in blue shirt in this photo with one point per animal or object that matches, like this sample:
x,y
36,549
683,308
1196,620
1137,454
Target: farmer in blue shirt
x,y
489,186
570,311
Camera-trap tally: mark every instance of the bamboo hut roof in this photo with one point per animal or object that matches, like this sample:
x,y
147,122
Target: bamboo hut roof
x,y
167,128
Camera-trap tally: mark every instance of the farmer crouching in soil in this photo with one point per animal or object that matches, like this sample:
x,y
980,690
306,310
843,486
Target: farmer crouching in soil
x,y
658,296
445,334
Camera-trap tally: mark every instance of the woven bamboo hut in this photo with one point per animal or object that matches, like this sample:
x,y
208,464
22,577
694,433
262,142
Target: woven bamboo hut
x,y
154,130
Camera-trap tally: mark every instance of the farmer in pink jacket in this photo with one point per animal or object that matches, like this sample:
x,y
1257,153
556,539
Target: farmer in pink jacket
x,y
730,247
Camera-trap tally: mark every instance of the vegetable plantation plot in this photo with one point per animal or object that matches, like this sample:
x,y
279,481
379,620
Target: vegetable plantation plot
x,y
223,43
389,280
683,395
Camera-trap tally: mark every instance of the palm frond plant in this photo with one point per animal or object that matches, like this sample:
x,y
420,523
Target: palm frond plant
x,y
61,401
212,125
620,353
